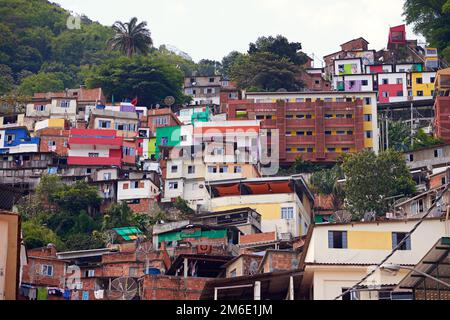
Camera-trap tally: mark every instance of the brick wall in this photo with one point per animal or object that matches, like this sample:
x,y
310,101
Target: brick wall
x,y
257,238
173,288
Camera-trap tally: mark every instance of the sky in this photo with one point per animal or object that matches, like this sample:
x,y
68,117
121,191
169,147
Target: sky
x,y
210,29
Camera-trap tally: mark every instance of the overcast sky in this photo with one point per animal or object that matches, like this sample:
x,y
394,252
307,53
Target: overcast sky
x,y
212,28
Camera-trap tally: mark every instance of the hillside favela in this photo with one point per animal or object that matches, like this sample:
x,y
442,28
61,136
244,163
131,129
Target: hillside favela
x,y
278,162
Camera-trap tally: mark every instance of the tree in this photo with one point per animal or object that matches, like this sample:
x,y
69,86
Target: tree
x,y
400,137
6,79
431,18
131,38
228,62
41,82
207,67
281,47
371,180
117,216
325,182
75,198
36,235
264,71
150,78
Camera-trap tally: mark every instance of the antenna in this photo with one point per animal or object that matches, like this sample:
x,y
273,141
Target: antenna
x,y
123,288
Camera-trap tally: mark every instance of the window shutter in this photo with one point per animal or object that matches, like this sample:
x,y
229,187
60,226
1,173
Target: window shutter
x,y
344,240
330,240
394,240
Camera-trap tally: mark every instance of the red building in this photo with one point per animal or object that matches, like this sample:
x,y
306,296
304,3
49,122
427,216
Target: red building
x,y
317,131
91,147
130,151
442,105
54,140
397,36
158,118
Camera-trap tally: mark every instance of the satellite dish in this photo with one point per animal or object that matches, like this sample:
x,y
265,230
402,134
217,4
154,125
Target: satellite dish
x,y
169,101
342,216
253,269
123,288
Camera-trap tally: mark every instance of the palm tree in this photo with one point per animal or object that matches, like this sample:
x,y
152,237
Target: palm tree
x,y
131,38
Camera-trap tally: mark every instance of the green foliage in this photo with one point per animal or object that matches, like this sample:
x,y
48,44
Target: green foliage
x,y
432,19
41,82
207,67
228,61
118,216
37,235
150,78
131,38
183,206
400,137
34,33
325,182
302,166
77,197
372,179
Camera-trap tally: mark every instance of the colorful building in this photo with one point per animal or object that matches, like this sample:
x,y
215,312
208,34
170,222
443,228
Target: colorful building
x,y
284,203
17,140
338,255
92,147
314,126
422,84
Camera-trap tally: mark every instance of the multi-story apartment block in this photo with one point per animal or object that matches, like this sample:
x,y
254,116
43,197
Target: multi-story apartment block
x,y
314,126
442,105
392,87
125,123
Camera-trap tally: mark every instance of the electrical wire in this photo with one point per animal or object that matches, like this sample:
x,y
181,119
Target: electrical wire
x,y
407,236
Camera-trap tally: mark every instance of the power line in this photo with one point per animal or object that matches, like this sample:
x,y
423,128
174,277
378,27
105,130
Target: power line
x,y
407,236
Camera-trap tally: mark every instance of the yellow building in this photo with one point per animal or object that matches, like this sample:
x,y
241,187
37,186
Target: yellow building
x,y
337,256
422,84
285,203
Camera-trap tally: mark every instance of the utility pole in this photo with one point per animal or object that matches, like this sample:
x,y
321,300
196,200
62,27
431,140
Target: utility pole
x,y
387,132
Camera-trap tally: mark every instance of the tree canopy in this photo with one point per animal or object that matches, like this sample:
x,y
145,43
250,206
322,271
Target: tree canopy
x,y
372,179
432,19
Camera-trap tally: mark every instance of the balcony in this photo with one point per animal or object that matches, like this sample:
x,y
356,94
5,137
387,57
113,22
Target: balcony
x,y
300,123
339,122
296,140
340,139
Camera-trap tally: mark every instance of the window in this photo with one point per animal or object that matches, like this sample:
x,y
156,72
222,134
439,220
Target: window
x,y
350,132
399,81
340,116
161,121
287,213
310,150
399,93
104,124
89,273
331,149
10,138
385,81
309,133
367,117
337,239
237,169
300,116
385,94
397,237
308,116
419,80
183,138
301,149
340,132
211,79
317,81
368,100
173,185
134,185
432,79
368,134
365,82
300,133
410,157
39,108
289,116
420,93
93,154
51,143
438,153
345,150
107,176
417,207
191,169
328,116
223,169
64,103
47,270
259,117
349,116
212,169
328,133
174,169
233,273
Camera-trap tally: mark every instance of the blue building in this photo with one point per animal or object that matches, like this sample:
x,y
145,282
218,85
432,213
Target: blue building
x,y
17,140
